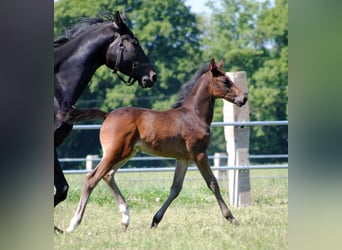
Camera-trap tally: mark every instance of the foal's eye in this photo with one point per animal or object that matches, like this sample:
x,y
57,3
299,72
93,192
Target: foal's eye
x,y
121,44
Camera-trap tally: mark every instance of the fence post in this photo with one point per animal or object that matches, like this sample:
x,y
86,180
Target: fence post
x,y
220,159
90,161
237,143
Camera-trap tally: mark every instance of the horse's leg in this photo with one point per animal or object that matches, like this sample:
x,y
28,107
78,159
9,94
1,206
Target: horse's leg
x,y
177,184
123,206
90,183
60,182
205,170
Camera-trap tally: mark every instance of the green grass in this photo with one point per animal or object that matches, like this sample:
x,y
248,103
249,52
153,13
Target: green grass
x,y
193,221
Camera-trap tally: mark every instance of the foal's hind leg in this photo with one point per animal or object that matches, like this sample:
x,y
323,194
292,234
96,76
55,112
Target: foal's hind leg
x,y
204,167
123,206
177,184
91,181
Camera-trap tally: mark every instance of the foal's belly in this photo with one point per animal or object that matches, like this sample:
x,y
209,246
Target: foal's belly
x,y
162,149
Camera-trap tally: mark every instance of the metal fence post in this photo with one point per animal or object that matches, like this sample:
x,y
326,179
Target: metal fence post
x,y
237,139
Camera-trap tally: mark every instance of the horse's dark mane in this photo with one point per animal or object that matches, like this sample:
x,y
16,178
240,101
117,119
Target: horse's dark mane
x,y
83,25
188,86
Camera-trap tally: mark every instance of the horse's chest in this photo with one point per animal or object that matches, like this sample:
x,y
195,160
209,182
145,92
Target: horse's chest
x,y
198,132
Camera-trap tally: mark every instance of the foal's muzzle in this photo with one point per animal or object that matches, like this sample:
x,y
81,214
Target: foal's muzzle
x,y
241,100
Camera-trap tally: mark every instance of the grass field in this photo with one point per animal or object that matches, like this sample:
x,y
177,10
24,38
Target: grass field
x,y
193,221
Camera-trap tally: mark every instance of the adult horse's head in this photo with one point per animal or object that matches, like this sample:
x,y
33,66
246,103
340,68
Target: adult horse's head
x,y
124,54
223,87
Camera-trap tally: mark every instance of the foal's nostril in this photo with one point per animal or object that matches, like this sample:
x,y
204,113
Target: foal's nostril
x,y
245,97
241,100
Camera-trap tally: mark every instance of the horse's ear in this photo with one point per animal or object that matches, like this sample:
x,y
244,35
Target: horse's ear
x,y
220,64
117,19
212,65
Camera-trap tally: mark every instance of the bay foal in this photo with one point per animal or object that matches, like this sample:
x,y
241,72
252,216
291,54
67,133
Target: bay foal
x,y
182,132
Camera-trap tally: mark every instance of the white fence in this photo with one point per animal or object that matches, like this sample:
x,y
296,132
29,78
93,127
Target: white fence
x,y
191,168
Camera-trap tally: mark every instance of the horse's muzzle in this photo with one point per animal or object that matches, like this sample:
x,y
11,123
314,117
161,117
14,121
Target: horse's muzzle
x,y
241,100
148,81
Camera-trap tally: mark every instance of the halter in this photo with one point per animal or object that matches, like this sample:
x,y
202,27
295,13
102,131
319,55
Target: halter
x,y
135,65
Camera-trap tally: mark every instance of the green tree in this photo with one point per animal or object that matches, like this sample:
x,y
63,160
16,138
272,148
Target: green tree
x,y
270,88
252,36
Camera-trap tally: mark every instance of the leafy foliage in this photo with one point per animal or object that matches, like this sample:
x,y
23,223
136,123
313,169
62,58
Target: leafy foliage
x,y
253,37
249,35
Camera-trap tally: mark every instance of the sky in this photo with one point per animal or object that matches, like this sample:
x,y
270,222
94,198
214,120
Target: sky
x,y
197,6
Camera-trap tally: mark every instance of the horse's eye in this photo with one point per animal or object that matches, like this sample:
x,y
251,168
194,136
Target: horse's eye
x,y
121,44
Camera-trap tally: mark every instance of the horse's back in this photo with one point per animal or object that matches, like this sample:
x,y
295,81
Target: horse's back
x,y
154,132
151,122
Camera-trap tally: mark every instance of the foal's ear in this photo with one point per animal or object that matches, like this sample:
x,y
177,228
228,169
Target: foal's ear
x,y
124,16
117,19
220,64
212,64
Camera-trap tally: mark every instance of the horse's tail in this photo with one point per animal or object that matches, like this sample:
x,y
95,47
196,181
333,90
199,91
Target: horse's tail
x,y
76,115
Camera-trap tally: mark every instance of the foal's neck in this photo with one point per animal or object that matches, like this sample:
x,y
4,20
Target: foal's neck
x,y
201,102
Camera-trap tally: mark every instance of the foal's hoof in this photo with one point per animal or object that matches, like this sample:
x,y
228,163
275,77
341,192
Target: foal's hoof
x,y
234,221
124,227
58,231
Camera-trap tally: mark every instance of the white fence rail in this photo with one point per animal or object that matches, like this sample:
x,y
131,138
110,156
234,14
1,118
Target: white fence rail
x,y
191,168
213,124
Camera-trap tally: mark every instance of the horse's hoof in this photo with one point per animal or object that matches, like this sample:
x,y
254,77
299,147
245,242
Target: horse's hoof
x,y
58,231
235,222
124,227
70,229
154,225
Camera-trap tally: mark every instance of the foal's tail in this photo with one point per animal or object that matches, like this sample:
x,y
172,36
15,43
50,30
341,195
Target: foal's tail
x,y
77,115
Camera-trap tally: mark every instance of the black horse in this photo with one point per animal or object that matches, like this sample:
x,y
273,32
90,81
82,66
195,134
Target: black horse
x,y
77,55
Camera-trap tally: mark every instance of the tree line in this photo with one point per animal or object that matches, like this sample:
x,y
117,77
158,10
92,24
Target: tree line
x,y
248,35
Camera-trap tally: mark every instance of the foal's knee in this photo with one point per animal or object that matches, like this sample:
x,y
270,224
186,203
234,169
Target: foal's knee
x,y
175,190
213,185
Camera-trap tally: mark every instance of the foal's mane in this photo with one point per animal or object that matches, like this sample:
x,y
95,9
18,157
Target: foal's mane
x,y
84,25
188,86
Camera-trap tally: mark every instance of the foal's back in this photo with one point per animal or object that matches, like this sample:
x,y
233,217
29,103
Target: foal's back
x,y
172,133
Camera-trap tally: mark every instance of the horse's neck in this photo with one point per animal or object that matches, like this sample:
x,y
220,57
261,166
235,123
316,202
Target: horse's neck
x,y
82,63
201,103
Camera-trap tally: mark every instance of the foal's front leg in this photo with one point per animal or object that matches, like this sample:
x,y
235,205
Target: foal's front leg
x,y
177,184
203,164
